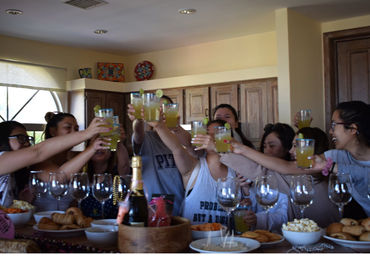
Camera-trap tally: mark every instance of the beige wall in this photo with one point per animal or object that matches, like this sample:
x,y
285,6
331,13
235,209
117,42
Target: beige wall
x,y
355,22
256,50
70,58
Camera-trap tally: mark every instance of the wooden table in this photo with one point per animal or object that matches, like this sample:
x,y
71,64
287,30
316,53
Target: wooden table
x,y
80,243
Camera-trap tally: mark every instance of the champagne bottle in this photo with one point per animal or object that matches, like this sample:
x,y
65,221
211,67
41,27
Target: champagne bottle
x,y
138,210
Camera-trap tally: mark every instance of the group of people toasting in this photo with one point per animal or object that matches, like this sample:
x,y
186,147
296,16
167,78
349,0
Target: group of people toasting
x,y
187,168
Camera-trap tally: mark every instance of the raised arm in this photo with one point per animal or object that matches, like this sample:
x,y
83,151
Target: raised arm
x,y
137,127
15,160
273,163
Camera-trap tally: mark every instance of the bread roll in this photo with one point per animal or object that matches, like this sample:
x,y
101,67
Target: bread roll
x,y
349,222
354,230
63,219
74,211
47,224
365,236
70,226
366,223
343,235
334,228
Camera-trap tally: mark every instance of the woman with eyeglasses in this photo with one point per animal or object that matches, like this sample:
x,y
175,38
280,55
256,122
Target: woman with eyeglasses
x,y
350,132
16,153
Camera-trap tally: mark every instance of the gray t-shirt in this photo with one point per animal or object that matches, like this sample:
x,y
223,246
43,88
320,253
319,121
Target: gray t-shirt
x,y
360,175
160,174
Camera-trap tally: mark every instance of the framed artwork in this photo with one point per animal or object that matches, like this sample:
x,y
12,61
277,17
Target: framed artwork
x,y
144,70
111,71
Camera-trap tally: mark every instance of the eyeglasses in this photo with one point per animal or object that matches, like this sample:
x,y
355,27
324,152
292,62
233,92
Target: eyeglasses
x,y
22,139
333,124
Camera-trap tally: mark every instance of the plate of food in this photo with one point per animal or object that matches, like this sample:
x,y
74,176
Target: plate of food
x,y
265,237
350,233
71,231
207,230
350,243
224,245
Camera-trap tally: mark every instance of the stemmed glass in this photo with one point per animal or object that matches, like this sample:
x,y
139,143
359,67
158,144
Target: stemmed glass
x,y
102,188
58,186
228,196
340,189
302,192
267,191
79,187
36,185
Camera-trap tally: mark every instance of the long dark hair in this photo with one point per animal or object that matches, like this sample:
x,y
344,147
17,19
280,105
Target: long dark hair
x,y
52,120
21,175
284,132
238,130
356,112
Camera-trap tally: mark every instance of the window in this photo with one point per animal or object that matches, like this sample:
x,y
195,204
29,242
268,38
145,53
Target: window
x,y
27,92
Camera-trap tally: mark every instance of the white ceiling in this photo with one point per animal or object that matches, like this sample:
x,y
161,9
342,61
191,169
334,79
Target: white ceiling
x,y
138,26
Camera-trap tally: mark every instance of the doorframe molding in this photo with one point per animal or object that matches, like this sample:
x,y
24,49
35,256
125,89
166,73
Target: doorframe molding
x,y
331,39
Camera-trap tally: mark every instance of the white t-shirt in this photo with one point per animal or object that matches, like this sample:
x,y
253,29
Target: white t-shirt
x,y
7,184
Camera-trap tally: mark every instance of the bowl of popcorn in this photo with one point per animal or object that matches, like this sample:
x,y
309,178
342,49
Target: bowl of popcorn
x,y
302,232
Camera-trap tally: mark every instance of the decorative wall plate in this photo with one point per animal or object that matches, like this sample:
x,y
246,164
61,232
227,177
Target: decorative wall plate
x,y
144,70
111,71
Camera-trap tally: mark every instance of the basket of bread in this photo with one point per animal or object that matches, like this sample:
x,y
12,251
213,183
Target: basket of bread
x,y
72,219
350,229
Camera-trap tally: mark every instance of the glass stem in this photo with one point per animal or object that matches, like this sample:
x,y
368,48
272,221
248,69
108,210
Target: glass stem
x,y
302,213
79,203
341,210
229,223
102,209
58,203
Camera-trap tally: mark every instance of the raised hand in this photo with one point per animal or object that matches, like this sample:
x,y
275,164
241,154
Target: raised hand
x,y
237,147
131,111
206,142
97,126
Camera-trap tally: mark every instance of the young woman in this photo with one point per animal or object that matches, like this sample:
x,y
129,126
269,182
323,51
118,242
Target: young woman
x,y
277,140
17,153
251,163
200,179
350,131
227,113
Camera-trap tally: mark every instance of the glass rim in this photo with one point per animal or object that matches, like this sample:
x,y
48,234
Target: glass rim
x,y
305,139
170,104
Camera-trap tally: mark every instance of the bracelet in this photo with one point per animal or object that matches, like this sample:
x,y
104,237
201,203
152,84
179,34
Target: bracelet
x,y
328,165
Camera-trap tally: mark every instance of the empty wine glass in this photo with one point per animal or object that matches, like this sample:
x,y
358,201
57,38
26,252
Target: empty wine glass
x,y
228,196
339,190
58,186
79,187
37,186
267,191
102,188
302,192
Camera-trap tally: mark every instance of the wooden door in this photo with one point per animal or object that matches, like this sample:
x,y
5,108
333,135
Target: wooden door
x,y
177,96
258,106
346,60
224,94
197,103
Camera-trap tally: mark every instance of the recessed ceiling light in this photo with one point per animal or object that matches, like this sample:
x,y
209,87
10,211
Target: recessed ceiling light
x,y
101,31
187,11
14,12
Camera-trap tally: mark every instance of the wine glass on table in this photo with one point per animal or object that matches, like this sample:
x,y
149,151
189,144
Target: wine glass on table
x,y
102,188
267,191
79,187
302,192
340,189
58,186
228,196
37,186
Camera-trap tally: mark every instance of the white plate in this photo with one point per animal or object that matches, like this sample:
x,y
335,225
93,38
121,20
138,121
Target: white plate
x,y
349,243
267,244
61,233
199,245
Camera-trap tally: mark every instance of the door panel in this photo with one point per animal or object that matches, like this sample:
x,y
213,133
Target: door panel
x,y
225,94
197,103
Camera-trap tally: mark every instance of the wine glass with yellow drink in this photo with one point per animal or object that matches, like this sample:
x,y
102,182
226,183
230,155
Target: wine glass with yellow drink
x,y
115,138
171,111
222,138
304,118
107,114
151,103
137,103
304,149
199,128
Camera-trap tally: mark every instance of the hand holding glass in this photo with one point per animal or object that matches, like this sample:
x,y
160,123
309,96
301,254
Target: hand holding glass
x,y
302,192
304,149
